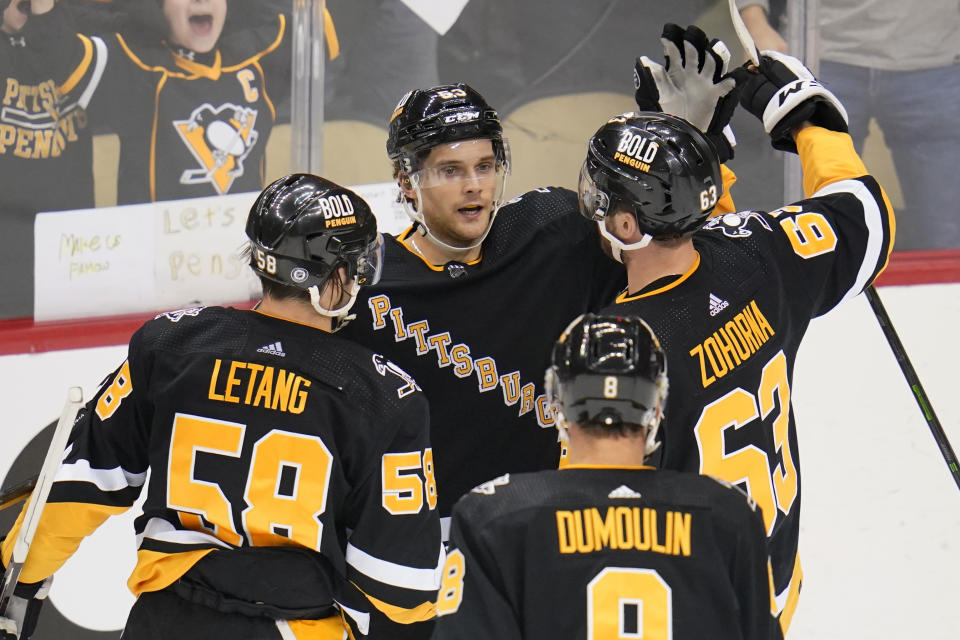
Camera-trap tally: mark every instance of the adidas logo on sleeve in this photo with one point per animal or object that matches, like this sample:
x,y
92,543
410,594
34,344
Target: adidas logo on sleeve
x,y
717,304
275,349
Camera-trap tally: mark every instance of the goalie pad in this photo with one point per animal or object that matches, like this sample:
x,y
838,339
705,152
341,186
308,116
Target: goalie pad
x,y
784,94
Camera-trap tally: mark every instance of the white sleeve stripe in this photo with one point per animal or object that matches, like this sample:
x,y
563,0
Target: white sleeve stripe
x,y
397,575
105,479
162,531
99,64
872,217
361,619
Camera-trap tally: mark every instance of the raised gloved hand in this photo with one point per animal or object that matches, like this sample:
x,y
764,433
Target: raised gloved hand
x,y
693,84
783,94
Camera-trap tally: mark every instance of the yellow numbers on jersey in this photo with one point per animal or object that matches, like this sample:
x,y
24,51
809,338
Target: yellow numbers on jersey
x,y
286,483
120,387
810,234
307,462
750,464
451,587
629,603
403,489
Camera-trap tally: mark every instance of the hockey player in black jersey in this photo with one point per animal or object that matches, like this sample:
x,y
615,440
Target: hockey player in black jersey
x,y
731,298
475,291
291,490
606,547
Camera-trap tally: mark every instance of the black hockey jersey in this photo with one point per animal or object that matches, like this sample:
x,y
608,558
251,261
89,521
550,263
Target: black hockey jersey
x,y
192,124
260,435
605,552
732,325
477,336
49,76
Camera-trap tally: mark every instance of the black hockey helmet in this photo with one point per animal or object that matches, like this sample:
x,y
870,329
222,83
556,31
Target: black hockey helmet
x,y
658,166
303,227
609,370
425,118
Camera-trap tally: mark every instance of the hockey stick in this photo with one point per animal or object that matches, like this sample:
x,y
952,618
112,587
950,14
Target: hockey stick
x,y
31,515
914,381
746,41
16,493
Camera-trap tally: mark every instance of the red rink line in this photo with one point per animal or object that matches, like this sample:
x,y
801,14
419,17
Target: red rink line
x,y
921,267
23,335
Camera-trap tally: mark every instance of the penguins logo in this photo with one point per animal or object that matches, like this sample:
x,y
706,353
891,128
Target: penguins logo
x,y
220,139
734,225
384,366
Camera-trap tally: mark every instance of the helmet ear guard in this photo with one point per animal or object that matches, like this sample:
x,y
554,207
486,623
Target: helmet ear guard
x,y
611,371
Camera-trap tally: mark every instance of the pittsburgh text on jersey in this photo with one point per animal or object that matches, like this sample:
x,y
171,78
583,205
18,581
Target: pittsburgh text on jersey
x,y
458,355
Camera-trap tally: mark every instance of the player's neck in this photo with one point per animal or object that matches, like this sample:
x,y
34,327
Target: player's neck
x,y
436,254
295,311
626,451
657,260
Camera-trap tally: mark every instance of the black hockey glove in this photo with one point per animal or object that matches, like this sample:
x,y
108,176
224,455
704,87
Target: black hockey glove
x,y
20,617
693,84
784,94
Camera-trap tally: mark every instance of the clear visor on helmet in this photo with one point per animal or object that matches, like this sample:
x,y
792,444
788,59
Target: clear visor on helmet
x,y
368,263
643,195
483,162
594,202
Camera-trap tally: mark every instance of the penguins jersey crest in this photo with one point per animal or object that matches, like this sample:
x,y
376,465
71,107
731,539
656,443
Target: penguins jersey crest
x,y
220,138
734,225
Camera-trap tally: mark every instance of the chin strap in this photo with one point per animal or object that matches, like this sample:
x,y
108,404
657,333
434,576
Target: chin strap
x,y
617,245
339,317
418,219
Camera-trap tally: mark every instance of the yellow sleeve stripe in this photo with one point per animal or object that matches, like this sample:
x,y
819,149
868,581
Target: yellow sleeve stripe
x,y
81,69
156,570
827,157
324,629
63,526
725,203
792,597
423,611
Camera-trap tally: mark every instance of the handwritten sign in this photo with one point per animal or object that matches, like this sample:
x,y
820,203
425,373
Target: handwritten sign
x,y
157,256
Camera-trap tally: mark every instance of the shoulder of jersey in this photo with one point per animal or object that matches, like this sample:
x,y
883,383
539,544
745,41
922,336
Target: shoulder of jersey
x,y
740,225
356,370
733,492
704,490
185,320
510,492
543,203
521,219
